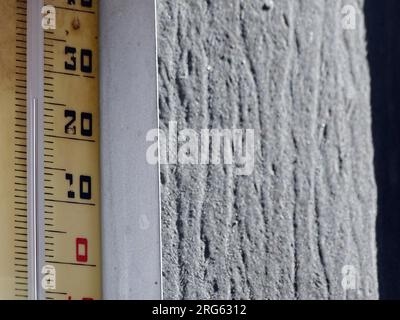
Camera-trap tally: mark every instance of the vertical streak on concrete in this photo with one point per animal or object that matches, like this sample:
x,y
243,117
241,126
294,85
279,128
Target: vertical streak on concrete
x,y
291,73
130,200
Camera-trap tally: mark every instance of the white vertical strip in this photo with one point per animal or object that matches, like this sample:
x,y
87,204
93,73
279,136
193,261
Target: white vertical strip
x,y
130,186
35,134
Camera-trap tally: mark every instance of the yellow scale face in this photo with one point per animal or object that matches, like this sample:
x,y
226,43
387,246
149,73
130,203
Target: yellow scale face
x,y
71,151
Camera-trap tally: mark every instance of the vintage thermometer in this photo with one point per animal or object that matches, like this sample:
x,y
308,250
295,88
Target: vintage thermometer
x,y
49,150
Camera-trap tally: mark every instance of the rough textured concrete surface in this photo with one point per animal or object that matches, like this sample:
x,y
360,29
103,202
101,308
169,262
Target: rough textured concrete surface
x,y
290,72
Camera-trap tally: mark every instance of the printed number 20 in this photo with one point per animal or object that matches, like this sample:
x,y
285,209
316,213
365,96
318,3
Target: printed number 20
x,y
86,123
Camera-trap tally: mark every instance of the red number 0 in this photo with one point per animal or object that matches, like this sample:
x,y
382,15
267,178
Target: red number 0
x,y
81,250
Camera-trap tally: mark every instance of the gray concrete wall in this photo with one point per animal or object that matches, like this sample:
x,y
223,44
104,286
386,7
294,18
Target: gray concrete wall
x,y
291,73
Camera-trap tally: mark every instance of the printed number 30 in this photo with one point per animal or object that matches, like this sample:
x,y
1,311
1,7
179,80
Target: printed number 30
x,y
86,60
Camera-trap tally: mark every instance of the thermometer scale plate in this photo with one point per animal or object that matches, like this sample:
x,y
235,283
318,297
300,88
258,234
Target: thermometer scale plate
x,y
49,152
13,187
